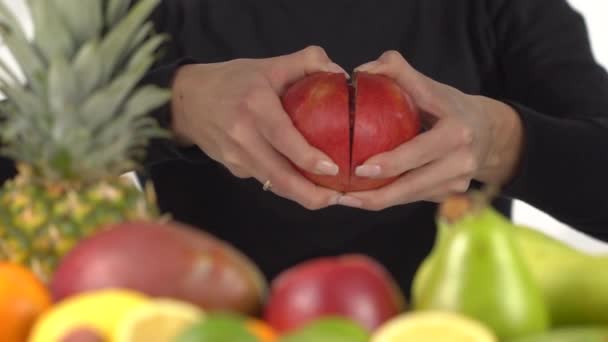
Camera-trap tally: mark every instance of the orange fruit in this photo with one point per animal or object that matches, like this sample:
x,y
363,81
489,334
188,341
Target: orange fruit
x,y
261,330
23,298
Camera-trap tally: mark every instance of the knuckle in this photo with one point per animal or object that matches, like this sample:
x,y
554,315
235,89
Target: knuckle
x,y
275,133
238,131
389,167
465,136
252,99
276,72
376,204
247,104
425,96
393,56
232,161
470,164
314,204
238,172
311,202
316,53
461,185
307,162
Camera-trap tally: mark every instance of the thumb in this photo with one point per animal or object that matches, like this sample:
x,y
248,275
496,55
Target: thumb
x,y
284,70
421,88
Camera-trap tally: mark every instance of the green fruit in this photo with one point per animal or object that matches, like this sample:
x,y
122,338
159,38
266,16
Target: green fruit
x,y
219,327
476,269
574,334
574,284
329,329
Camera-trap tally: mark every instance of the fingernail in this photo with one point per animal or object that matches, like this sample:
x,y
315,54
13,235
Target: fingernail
x,y
367,66
368,170
334,199
333,67
327,168
350,202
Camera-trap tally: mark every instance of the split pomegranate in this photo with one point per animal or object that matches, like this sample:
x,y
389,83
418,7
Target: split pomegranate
x,y
351,123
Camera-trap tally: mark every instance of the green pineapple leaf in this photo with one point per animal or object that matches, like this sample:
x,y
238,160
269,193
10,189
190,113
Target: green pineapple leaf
x,y
26,55
27,103
104,104
144,100
82,114
84,18
116,10
8,18
9,77
134,115
145,54
114,46
52,35
88,67
64,97
141,35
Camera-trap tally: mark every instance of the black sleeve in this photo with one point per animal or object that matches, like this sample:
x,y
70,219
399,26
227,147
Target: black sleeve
x,y
171,17
561,93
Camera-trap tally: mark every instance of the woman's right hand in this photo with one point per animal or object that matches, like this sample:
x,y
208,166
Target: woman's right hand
x,y
233,112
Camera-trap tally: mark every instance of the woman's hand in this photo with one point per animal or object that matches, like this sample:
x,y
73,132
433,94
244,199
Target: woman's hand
x,y
472,137
233,112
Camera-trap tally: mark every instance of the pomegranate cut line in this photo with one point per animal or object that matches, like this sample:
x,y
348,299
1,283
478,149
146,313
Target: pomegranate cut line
x,y
351,123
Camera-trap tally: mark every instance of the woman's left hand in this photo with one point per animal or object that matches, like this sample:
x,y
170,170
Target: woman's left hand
x,y
472,137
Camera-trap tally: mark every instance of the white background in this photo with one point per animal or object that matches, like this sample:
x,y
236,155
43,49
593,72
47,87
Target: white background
x,y
595,12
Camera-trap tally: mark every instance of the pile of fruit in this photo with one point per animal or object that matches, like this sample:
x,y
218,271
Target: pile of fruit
x,y
85,257
485,280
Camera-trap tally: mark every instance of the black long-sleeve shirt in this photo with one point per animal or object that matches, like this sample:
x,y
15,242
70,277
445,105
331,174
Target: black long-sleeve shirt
x,y
532,54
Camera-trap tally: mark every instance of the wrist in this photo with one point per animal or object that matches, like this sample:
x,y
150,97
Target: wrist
x,y
502,161
179,123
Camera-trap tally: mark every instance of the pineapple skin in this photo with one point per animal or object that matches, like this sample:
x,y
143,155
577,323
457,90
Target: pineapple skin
x,y
41,223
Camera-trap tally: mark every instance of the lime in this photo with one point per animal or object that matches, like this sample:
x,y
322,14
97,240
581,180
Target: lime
x,y
219,327
329,329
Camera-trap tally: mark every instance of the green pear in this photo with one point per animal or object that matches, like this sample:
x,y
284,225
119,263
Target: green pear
x,y
476,269
571,334
573,283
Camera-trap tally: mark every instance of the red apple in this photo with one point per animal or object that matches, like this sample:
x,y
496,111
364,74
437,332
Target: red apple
x,y
163,260
351,123
351,286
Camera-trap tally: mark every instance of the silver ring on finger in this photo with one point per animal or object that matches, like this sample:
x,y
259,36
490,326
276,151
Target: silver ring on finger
x,y
267,185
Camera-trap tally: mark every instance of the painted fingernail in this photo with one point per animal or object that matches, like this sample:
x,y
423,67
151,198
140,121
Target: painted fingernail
x,y
367,66
349,201
368,170
327,168
333,67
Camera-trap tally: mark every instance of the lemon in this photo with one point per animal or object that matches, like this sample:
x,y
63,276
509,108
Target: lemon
x,y
433,326
98,311
160,320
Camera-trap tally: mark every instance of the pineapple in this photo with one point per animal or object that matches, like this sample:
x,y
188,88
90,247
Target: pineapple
x,y
76,125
